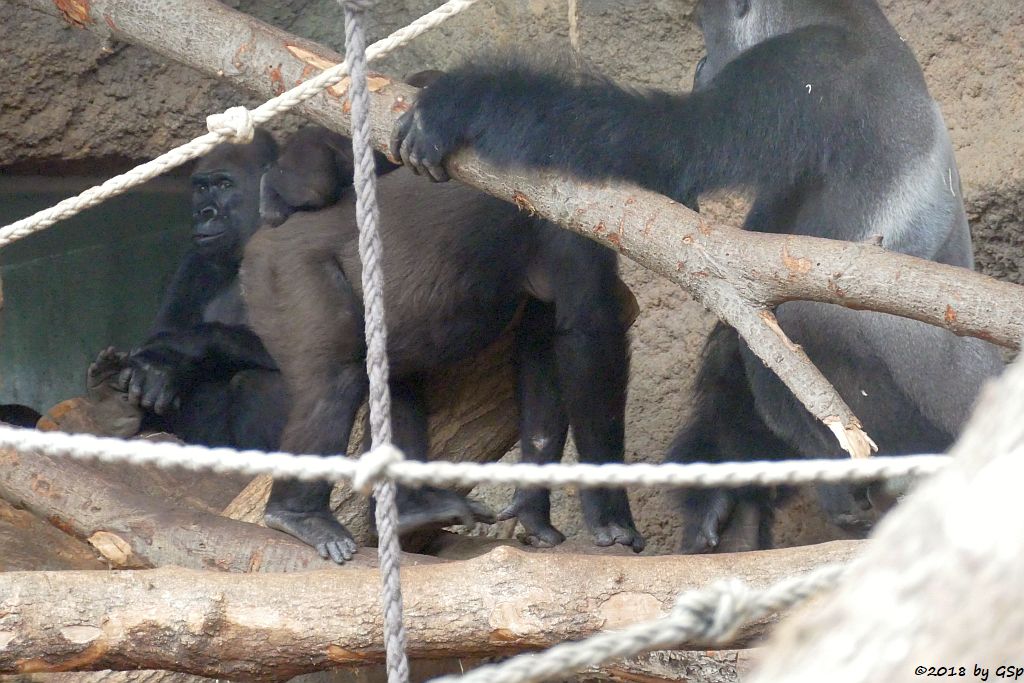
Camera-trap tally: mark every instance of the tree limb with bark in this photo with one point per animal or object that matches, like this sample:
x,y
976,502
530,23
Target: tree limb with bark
x,y
738,275
273,626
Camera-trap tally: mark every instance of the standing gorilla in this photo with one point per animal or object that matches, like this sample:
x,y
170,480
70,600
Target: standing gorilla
x,y
819,109
202,373
458,265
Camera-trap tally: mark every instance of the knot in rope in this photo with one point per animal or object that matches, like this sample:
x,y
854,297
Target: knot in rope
x,y
372,467
359,5
235,124
717,612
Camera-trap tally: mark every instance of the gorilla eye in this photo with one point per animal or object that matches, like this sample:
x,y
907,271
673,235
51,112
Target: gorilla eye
x,y
224,184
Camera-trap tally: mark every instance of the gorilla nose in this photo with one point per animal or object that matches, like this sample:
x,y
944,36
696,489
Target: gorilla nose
x,y
208,213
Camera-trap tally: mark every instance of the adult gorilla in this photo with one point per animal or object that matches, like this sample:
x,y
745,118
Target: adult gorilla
x,y
202,373
820,110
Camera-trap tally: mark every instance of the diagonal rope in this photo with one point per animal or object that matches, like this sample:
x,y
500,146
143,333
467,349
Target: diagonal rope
x,y
370,251
706,616
234,125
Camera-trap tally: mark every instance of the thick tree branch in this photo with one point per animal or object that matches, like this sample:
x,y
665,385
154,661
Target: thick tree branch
x,y
271,626
737,275
132,529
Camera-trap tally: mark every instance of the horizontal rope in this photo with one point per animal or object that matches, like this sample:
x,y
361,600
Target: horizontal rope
x,y
386,462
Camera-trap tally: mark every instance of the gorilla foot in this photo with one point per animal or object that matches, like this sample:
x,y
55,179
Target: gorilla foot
x,y
621,533
108,401
707,513
607,515
103,376
532,508
317,529
848,507
701,542
433,508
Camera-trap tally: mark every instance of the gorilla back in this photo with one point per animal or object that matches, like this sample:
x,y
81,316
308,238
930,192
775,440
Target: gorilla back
x,y
819,109
458,265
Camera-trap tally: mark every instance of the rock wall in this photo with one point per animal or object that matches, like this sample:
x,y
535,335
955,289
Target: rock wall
x,y
72,105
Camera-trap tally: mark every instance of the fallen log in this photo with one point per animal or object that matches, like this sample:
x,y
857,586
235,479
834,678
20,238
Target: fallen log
x,y
207,623
134,530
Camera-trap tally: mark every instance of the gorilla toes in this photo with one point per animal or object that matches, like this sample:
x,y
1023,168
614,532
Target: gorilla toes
x,y
105,372
433,508
532,509
700,543
706,514
317,529
340,551
541,536
614,533
421,154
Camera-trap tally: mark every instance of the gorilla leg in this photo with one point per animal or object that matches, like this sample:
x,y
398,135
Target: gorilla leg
x,y
320,423
724,427
248,411
310,320
887,369
543,423
258,409
425,507
592,355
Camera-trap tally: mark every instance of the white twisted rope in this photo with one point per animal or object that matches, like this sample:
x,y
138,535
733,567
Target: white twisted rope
x,y
708,616
370,253
230,126
386,462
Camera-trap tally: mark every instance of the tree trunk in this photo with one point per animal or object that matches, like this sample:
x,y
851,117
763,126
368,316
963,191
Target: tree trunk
x,y
207,623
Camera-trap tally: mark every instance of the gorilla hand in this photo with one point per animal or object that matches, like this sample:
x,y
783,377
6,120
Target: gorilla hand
x,y
154,380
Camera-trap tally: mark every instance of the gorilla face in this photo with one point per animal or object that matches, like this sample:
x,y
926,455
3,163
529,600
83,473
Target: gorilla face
x,y
226,197
310,173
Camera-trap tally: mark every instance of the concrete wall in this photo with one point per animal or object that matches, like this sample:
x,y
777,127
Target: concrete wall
x,y
69,106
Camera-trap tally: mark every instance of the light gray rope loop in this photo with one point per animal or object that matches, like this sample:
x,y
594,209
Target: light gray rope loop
x,y
235,124
717,612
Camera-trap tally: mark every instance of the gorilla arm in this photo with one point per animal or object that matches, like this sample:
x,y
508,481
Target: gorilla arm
x,y
742,130
184,348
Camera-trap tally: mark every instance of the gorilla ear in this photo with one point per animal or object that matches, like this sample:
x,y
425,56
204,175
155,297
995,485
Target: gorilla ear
x,y
741,7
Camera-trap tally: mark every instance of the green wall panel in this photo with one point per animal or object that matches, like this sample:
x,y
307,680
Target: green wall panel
x,y
89,282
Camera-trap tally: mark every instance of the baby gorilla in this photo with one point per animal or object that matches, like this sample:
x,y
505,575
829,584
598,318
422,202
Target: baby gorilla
x,y
458,267
316,166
